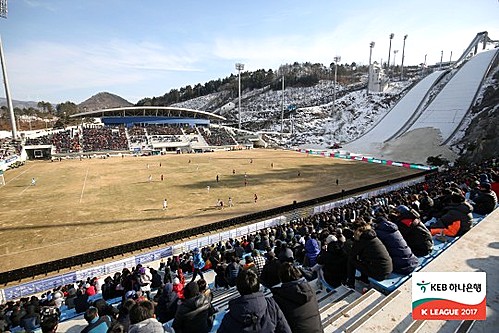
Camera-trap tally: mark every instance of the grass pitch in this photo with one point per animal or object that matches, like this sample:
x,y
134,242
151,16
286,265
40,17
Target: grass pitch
x,y
80,206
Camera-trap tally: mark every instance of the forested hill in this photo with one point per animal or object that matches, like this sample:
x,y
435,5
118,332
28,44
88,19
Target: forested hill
x,y
295,75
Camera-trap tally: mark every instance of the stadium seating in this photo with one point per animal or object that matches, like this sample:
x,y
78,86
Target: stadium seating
x,y
440,244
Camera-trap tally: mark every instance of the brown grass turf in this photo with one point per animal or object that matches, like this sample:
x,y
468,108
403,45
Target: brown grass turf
x,y
81,206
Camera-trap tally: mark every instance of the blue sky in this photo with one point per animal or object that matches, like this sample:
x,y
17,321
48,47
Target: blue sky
x,y
69,50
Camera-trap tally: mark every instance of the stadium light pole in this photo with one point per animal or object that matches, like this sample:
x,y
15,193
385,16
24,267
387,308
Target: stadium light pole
x,y
336,60
371,46
389,51
239,68
441,59
403,56
3,14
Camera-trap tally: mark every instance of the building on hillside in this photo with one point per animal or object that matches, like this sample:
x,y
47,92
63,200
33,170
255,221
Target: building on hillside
x,y
379,81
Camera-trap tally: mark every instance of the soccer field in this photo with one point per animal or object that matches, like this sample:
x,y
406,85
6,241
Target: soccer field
x,y
81,206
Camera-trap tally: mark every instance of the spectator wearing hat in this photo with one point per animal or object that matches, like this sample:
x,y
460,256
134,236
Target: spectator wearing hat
x,y
195,313
368,255
297,300
142,318
334,262
252,311
198,264
415,233
456,220
90,290
403,260
485,201
145,279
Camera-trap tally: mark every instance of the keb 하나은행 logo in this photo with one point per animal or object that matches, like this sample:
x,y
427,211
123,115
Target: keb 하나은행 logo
x,y
449,296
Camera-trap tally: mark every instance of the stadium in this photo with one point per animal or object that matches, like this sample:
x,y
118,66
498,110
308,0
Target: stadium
x,y
133,198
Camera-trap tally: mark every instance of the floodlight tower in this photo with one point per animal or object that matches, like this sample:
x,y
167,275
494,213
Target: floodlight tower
x,y
371,46
389,51
403,56
239,68
3,14
336,60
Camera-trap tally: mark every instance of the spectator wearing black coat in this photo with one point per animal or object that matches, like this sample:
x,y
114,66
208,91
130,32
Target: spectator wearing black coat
x,y
81,301
425,204
31,320
368,255
167,304
232,270
270,272
195,313
334,263
403,260
252,311
415,233
297,301
456,219
124,314
485,201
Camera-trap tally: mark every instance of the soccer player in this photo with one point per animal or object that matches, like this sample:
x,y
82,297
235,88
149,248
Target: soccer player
x,y
165,204
33,181
256,198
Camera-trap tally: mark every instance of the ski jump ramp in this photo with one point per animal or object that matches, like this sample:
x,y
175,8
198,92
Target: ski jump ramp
x,y
372,141
447,111
443,115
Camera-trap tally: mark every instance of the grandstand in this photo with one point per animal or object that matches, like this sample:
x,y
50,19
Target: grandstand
x,y
140,130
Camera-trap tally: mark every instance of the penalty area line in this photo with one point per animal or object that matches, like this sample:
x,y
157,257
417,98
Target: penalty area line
x,y
84,183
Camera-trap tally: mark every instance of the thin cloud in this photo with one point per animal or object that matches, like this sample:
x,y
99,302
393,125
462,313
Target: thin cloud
x,y
62,66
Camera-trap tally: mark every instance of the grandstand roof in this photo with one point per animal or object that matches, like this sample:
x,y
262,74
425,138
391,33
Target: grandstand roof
x,y
143,111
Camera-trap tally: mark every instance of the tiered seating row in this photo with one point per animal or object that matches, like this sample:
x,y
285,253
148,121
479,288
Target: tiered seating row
x,y
440,244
